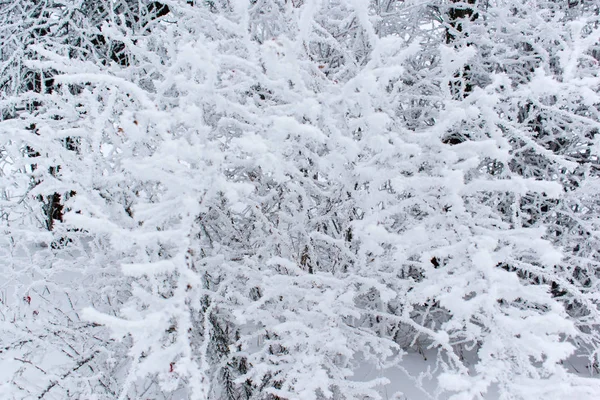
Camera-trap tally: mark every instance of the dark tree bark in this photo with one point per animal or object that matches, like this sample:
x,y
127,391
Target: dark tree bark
x,y
459,13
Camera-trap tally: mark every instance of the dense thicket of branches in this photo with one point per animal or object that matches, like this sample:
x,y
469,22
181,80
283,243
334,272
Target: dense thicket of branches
x,y
252,200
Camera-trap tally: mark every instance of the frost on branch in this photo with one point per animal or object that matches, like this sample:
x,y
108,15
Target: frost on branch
x,y
258,200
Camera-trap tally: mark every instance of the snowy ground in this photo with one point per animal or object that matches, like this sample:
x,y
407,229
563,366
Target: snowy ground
x,y
418,380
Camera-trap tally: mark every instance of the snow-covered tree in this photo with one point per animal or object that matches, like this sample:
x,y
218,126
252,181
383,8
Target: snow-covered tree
x,y
254,200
